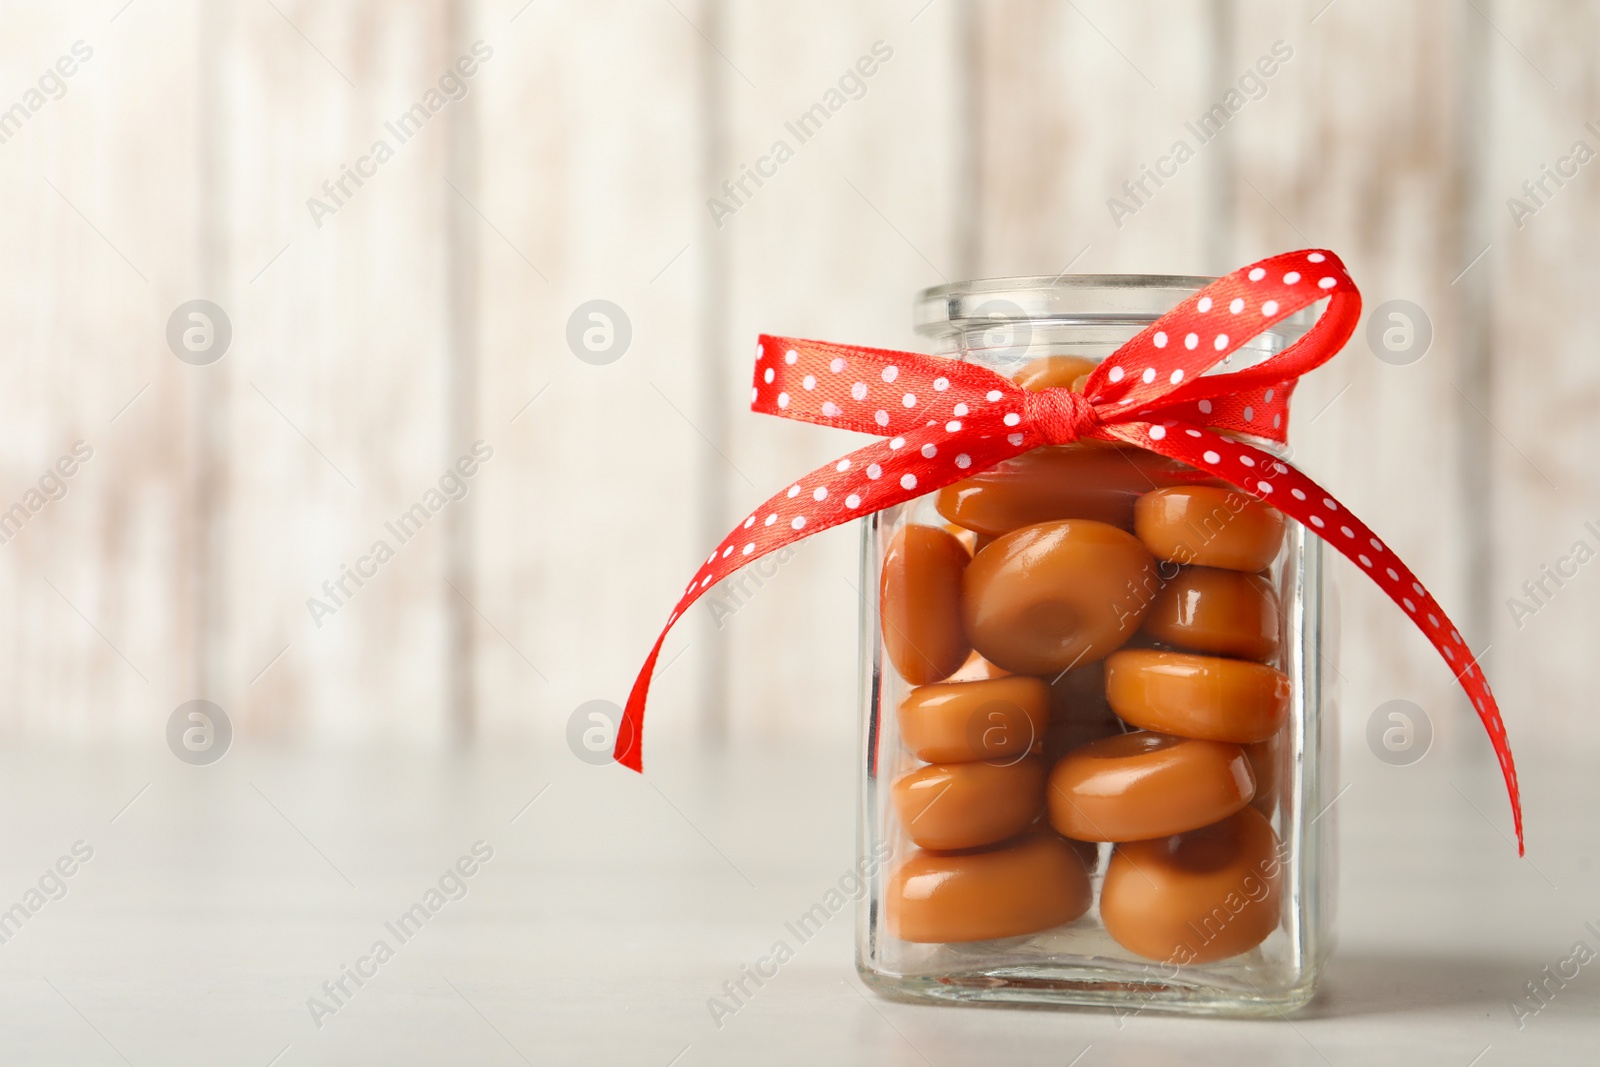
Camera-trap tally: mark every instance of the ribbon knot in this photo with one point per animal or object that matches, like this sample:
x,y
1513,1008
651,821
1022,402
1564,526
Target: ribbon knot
x,y
1060,415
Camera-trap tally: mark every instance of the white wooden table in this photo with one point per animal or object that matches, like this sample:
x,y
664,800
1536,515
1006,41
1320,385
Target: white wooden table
x,y
222,898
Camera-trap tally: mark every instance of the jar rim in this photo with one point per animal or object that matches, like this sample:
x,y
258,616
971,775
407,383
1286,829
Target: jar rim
x,y
1064,298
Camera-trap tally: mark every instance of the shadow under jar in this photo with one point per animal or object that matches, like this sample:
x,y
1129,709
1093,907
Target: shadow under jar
x,y
1097,733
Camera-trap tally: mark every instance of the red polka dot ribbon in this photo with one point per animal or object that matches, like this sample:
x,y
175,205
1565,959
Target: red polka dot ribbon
x,y
946,420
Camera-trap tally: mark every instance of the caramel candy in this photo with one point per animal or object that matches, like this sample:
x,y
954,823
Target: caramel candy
x,y
1197,897
920,604
1212,610
1080,693
1020,888
1056,595
977,669
1209,526
1060,482
1055,372
969,805
1133,787
1088,852
1078,710
1207,697
1266,763
1064,737
959,722
968,539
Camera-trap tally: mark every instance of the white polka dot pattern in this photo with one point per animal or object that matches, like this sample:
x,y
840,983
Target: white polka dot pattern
x,y
951,419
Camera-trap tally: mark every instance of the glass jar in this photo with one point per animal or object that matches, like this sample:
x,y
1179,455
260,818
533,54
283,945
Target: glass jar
x,y
1097,730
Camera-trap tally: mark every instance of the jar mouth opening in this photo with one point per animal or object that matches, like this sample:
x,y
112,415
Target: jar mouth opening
x,y
1065,299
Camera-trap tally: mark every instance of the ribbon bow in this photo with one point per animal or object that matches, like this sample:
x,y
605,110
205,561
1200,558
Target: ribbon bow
x,y
947,420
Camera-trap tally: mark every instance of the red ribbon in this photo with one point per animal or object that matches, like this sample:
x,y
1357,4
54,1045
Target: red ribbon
x,y
948,420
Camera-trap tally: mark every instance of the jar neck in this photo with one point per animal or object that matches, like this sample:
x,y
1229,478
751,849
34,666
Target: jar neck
x,y
1004,324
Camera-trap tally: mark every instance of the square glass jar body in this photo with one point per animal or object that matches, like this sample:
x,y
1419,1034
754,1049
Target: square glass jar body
x,y
988,853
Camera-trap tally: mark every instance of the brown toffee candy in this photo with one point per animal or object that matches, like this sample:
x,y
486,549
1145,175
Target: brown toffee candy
x,y
1056,595
1022,887
960,722
1209,526
1060,482
977,669
1266,763
920,604
968,805
1078,710
1133,787
1197,897
1207,697
1055,372
1212,610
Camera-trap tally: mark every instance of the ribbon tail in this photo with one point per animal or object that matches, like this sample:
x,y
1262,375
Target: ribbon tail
x,y
629,749
1272,480
878,476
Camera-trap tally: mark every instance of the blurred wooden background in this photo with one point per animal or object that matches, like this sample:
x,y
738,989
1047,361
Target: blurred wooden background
x,y
431,312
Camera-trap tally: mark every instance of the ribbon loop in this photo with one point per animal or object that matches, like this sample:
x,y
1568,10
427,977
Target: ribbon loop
x,y
1061,415
946,420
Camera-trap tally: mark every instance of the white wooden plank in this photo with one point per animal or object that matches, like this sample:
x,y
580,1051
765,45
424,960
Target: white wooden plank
x,y
100,170
589,154
1538,416
336,396
834,246
1374,168
1074,101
